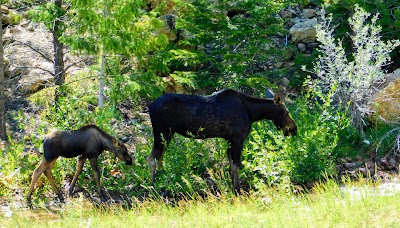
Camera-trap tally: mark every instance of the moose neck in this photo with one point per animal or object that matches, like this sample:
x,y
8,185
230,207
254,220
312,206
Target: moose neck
x,y
107,142
260,109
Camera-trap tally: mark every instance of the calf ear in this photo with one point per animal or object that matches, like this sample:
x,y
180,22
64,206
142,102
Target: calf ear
x,y
277,100
269,93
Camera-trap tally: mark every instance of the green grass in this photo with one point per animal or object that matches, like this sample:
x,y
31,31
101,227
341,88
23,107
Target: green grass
x,y
326,206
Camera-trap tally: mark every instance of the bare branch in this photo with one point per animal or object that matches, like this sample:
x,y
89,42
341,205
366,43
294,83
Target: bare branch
x,y
34,49
40,68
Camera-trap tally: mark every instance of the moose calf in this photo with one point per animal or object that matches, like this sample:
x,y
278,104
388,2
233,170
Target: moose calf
x,y
88,142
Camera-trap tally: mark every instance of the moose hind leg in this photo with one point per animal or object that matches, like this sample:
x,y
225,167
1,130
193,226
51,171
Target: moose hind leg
x,y
49,176
160,144
234,153
44,164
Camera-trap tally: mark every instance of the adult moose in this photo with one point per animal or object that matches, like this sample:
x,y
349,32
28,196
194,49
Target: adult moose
x,y
88,142
225,114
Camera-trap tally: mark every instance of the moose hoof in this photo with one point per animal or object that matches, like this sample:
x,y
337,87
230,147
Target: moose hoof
x,y
61,198
29,205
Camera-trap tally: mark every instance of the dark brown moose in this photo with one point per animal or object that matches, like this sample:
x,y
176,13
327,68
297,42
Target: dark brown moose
x,y
225,114
87,142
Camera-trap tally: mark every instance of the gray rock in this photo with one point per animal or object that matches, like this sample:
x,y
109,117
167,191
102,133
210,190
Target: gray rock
x,y
309,13
301,47
304,31
286,14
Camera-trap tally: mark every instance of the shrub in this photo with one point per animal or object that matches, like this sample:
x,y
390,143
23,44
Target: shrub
x,y
352,81
304,158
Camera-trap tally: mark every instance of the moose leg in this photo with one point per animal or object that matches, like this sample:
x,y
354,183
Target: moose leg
x,y
44,164
159,146
79,166
96,174
49,176
234,153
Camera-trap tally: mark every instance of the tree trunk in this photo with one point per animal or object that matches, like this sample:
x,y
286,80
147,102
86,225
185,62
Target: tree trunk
x,y
101,78
102,66
58,47
3,134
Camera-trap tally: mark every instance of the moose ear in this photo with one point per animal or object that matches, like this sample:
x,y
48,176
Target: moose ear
x,y
269,93
277,100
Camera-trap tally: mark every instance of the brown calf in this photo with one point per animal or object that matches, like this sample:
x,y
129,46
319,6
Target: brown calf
x,y
87,142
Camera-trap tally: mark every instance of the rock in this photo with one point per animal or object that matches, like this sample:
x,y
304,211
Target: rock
x,y
165,7
392,163
369,164
169,26
301,47
304,31
286,14
278,64
393,76
366,172
387,102
4,9
32,85
309,13
7,20
285,81
349,165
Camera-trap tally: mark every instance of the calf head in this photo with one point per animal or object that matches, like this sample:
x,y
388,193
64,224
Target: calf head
x,y
121,152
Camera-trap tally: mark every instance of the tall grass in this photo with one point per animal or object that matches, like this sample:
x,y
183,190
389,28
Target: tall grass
x,y
328,205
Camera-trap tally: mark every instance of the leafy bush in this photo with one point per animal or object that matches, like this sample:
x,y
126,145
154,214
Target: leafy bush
x,y
304,158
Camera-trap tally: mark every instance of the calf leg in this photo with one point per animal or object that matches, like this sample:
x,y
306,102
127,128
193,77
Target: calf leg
x,y
49,176
44,164
79,166
96,174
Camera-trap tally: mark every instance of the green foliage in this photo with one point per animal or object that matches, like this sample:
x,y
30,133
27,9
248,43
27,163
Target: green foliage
x,y
48,13
187,161
122,28
304,158
224,44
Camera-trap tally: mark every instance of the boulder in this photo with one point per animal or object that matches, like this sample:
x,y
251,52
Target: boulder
x,y
309,13
387,102
169,26
286,14
304,31
30,61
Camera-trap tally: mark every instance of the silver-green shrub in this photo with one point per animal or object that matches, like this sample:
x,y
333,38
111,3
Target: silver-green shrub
x,y
354,78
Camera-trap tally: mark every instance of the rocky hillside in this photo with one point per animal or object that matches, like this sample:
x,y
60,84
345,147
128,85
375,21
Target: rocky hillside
x,y
29,62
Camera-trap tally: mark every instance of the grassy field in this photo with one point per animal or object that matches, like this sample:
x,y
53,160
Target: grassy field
x,y
328,205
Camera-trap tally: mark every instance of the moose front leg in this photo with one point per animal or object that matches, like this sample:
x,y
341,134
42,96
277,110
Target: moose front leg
x,y
79,166
96,174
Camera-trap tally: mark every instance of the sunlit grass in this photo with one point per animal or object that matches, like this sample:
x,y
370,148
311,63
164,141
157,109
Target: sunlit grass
x,y
327,205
